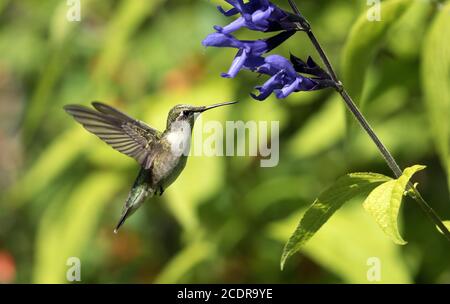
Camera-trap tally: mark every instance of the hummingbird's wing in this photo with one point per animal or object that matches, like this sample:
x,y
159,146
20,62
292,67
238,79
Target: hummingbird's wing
x,y
122,132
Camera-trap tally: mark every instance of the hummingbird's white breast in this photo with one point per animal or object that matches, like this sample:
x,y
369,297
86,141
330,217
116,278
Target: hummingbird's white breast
x,y
179,138
171,160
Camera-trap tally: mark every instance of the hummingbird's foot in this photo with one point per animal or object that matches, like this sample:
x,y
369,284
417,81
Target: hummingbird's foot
x,y
161,191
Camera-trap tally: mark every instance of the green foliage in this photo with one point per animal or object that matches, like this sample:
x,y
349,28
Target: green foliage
x,y
343,190
384,202
53,162
321,131
184,261
65,231
364,41
348,238
436,79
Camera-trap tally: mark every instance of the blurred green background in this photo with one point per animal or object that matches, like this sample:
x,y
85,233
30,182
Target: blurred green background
x,y
225,220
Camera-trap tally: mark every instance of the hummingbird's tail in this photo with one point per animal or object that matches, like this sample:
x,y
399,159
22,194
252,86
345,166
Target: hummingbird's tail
x,y
139,192
125,214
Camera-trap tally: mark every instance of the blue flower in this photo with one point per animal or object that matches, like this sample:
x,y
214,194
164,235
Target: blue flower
x,y
284,79
258,15
250,52
286,76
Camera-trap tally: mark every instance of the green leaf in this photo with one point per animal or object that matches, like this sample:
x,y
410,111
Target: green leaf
x,y
384,203
343,190
435,81
363,43
345,244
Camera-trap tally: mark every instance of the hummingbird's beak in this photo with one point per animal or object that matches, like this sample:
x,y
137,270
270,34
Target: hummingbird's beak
x,y
205,108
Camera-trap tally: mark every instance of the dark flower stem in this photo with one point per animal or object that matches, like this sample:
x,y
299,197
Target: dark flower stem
x,y
414,193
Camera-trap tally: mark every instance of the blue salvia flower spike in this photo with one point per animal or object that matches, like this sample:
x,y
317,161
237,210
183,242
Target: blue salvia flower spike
x,y
258,15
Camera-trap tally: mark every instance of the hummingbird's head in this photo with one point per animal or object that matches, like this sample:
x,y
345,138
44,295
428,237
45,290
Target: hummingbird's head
x,y
187,113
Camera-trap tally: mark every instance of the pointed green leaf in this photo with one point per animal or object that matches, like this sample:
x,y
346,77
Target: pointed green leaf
x,y
345,243
384,203
435,80
343,190
384,207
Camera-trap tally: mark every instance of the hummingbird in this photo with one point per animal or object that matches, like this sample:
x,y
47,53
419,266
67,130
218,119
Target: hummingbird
x,y
161,155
